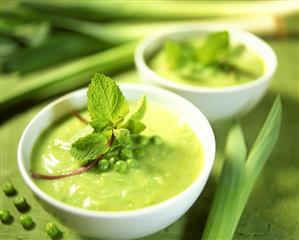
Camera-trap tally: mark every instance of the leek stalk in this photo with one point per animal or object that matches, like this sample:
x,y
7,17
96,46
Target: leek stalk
x,y
161,10
69,76
238,176
120,32
58,48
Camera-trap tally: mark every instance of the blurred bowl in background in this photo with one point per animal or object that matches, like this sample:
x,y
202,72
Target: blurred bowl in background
x,y
216,103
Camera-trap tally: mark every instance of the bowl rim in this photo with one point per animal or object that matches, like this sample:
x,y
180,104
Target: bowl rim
x,y
144,68
201,178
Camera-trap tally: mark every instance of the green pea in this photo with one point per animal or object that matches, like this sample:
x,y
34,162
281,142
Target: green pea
x,y
143,141
53,231
126,153
9,189
112,153
157,140
120,166
103,164
112,160
27,222
5,216
21,204
132,163
139,153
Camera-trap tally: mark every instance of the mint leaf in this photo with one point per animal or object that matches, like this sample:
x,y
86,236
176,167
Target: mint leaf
x,y
122,135
135,127
107,132
106,103
89,147
134,123
213,47
82,133
173,53
178,54
140,109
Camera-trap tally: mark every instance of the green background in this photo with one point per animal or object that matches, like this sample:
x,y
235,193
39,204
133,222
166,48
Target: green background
x,y
272,211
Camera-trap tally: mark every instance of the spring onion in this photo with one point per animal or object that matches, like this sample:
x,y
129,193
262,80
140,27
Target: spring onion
x,y
69,76
154,10
238,176
58,48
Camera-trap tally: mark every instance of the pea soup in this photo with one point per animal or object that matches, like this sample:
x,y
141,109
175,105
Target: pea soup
x,y
165,170
209,61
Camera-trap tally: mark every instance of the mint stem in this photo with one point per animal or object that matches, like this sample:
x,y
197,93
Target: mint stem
x,y
77,115
80,170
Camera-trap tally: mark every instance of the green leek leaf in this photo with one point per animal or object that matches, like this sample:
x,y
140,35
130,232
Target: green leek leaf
x,y
238,176
69,76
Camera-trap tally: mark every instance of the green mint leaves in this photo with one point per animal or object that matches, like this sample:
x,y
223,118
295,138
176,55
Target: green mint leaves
x,y
122,135
110,120
140,110
213,47
178,54
89,147
106,103
134,123
214,52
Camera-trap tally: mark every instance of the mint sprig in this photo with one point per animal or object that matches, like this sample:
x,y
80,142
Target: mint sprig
x,y
190,59
106,103
89,147
122,135
139,112
108,110
133,123
214,46
115,132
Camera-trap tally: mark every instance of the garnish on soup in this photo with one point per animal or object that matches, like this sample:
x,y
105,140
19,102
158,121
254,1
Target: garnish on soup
x,y
114,130
211,60
123,165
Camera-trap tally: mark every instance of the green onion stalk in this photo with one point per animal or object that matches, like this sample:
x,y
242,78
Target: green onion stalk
x,y
161,10
239,175
72,75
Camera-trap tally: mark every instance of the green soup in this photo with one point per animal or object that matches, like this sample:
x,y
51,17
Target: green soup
x,y
181,62
165,171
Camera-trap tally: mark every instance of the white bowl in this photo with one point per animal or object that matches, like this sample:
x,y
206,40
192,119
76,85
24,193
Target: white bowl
x,y
216,103
120,224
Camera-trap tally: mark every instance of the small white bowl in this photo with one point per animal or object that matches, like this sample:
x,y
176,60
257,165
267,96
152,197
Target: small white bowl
x,y
120,224
216,103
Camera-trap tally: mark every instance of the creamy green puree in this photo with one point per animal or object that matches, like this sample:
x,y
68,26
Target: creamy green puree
x,y
236,66
165,171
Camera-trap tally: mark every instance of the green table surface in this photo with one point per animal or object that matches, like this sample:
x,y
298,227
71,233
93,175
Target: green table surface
x,y
272,211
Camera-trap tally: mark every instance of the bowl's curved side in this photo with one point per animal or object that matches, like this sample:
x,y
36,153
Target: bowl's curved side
x,y
216,103
122,224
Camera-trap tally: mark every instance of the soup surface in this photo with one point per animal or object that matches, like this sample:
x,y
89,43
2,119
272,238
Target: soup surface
x,y
163,172
240,66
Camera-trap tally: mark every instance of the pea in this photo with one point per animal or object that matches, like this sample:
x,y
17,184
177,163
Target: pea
x,y
157,140
132,163
9,189
126,153
139,153
27,222
120,166
21,204
5,216
112,153
103,164
53,231
112,160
